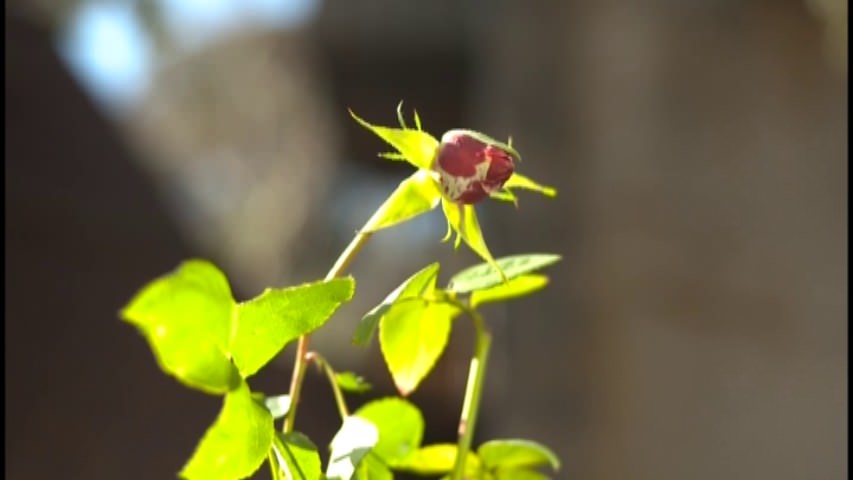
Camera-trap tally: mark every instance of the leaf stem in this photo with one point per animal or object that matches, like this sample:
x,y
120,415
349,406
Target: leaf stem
x,y
330,374
300,363
473,392
274,467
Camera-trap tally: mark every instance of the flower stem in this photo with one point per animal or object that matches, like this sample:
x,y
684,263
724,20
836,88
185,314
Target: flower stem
x,y
300,362
473,392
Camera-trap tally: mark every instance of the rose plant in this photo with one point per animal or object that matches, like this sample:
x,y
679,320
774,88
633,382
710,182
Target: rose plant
x,y
205,339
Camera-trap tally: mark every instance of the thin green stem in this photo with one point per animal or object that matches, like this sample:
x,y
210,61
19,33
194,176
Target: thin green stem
x,y
300,362
473,393
274,468
330,374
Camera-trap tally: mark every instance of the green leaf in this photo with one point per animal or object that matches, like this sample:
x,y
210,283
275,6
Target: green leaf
x,y
483,276
463,219
417,194
417,146
437,459
278,405
517,287
349,446
372,468
519,474
186,318
237,442
350,382
520,181
297,457
269,321
515,454
416,286
400,425
412,336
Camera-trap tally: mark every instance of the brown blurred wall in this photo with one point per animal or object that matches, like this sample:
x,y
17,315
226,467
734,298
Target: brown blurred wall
x,y
85,229
700,149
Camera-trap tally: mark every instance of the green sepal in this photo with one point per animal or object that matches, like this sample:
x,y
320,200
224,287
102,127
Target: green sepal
x,y
417,147
518,180
415,195
463,220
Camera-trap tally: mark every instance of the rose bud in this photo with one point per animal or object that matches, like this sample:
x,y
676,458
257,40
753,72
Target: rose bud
x,y
471,165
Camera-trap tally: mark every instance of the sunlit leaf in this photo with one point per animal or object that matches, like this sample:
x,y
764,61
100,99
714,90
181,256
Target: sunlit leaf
x,y
417,146
350,382
437,459
278,406
417,194
419,284
400,425
412,336
517,287
186,318
372,468
484,276
349,446
516,454
518,180
237,442
297,457
268,322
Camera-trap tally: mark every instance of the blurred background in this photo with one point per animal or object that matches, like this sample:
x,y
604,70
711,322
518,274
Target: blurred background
x,y
696,329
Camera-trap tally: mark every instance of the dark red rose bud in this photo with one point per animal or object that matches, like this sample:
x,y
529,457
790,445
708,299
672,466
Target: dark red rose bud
x,y
471,165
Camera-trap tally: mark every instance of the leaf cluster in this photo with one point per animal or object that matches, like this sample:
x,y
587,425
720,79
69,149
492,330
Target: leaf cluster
x,y
200,335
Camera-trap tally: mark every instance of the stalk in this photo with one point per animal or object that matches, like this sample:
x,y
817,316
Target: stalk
x,y
330,375
301,363
473,393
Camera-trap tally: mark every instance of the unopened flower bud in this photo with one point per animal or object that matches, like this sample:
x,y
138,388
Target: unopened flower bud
x,y
471,165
